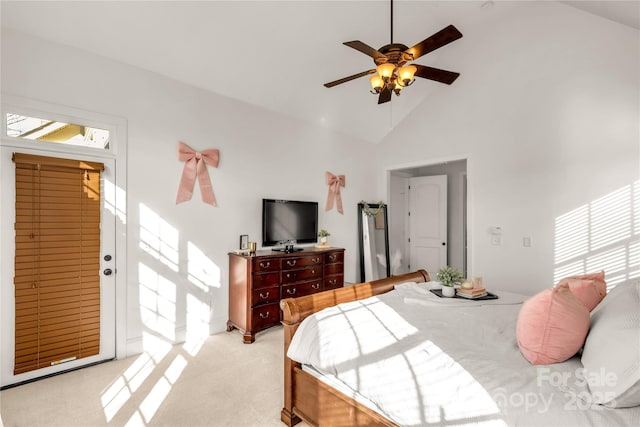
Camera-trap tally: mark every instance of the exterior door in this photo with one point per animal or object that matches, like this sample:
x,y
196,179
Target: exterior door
x,y
428,223
7,271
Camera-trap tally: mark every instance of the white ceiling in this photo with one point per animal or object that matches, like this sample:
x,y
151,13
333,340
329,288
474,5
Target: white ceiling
x,y
275,55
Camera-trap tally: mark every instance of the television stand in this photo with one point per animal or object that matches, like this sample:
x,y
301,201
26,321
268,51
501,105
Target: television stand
x,y
258,282
287,250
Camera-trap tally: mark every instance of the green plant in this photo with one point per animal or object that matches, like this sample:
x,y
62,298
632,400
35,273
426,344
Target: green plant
x,y
324,233
448,276
371,212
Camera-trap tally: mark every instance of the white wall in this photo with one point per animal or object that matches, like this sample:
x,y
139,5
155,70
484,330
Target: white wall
x,y
261,155
546,111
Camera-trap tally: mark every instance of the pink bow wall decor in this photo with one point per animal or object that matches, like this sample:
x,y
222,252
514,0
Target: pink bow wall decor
x,y
334,183
196,166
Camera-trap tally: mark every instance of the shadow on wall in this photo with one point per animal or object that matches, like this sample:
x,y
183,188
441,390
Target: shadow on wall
x,y
174,294
601,235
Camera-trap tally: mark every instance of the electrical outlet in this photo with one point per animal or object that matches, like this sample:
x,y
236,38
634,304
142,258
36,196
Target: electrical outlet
x,y
526,242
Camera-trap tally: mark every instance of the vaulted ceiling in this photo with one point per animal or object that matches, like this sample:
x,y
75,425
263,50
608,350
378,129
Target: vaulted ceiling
x,y
277,55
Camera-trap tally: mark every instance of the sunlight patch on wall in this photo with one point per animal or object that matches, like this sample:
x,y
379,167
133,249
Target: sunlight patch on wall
x,y
636,208
611,218
572,234
203,272
158,238
157,302
634,260
115,201
198,313
601,235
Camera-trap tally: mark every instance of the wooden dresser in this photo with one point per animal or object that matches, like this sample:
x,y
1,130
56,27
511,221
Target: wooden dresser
x,y
258,282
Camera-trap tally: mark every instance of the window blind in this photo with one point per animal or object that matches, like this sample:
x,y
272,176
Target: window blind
x,y
57,260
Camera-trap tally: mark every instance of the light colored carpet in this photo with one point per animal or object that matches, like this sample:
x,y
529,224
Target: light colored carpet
x,y
222,383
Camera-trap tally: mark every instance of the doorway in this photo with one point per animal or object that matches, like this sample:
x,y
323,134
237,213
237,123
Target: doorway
x,y
400,250
47,139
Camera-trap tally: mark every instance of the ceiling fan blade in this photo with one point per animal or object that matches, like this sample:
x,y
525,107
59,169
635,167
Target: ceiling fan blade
x,y
365,48
442,76
436,41
385,96
346,79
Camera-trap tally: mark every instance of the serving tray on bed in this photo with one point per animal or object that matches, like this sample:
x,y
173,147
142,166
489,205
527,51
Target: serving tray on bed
x,y
489,295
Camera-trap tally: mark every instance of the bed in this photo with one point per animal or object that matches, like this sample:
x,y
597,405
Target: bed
x,y
391,353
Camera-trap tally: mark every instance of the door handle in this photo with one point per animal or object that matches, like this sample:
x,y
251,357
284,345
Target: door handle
x,y
107,272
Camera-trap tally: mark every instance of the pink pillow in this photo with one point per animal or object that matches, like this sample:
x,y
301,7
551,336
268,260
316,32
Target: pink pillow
x,y
589,292
598,277
590,289
552,326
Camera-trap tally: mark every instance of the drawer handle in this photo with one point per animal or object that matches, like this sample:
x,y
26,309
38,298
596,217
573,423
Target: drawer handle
x,y
316,260
313,272
291,291
333,281
332,257
291,263
264,296
264,315
265,264
291,274
316,286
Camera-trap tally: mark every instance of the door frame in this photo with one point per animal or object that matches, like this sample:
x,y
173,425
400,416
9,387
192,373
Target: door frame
x,y
117,150
467,214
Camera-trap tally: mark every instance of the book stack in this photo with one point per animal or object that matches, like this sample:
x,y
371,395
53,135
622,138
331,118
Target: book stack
x,y
472,293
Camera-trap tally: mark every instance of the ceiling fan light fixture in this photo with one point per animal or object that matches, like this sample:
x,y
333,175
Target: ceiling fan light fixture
x,y
397,87
386,70
405,75
392,74
376,83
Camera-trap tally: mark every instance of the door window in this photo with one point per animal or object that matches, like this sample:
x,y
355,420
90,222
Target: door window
x,y
37,129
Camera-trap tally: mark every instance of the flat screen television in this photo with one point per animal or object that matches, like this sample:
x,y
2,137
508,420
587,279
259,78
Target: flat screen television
x,y
289,221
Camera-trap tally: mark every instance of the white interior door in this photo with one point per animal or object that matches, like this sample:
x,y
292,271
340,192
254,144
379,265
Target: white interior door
x,y
428,223
7,253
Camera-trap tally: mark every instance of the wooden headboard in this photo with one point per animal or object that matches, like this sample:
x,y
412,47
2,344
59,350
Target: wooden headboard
x,y
295,310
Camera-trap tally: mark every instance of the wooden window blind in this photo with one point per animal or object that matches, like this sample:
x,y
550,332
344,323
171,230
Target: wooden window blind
x,y
57,261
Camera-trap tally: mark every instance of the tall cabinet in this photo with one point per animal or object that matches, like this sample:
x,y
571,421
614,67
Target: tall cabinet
x,y
257,283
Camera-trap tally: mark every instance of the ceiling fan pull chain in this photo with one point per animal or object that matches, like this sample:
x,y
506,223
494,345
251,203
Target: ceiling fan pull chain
x,y
391,22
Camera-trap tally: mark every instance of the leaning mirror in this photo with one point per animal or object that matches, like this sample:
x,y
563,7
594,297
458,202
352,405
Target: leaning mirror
x,y
373,234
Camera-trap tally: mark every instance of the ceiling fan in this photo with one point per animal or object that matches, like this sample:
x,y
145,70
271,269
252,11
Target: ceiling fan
x,y
392,72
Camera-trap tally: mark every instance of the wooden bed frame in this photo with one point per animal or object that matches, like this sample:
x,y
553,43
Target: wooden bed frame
x,y
307,398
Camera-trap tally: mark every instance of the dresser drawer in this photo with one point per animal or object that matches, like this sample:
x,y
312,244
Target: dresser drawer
x,y
265,295
334,257
289,263
264,315
291,276
300,289
333,282
337,268
265,265
265,280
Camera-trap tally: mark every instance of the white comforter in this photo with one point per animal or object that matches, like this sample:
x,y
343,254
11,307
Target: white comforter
x,y
423,360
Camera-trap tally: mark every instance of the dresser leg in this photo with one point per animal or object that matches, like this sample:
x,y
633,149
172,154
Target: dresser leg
x,y
248,337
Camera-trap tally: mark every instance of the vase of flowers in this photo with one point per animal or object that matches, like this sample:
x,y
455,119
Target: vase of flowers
x,y
449,277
